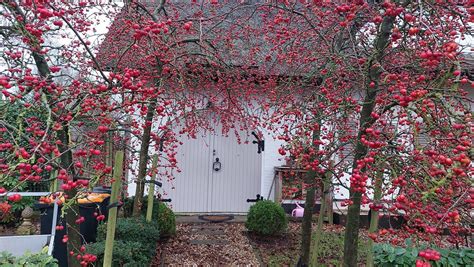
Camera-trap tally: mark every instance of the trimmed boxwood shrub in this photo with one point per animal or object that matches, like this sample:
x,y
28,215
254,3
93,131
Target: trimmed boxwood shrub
x,y
387,255
162,214
135,242
266,218
165,218
134,230
125,253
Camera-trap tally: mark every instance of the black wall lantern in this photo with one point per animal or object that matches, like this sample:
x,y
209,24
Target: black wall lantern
x,y
217,165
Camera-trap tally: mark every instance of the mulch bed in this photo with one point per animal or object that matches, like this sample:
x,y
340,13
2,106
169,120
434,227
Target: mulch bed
x,y
224,244
227,246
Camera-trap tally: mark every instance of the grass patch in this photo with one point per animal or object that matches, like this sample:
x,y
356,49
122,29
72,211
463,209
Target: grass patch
x,y
281,260
330,253
332,249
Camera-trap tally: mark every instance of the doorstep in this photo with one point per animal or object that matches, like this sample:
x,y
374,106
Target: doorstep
x,y
195,218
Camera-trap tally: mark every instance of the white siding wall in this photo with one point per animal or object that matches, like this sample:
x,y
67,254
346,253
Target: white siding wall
x,y
270,159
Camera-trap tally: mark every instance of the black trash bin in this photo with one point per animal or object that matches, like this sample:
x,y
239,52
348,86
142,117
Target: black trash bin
x,y
88,228
46,220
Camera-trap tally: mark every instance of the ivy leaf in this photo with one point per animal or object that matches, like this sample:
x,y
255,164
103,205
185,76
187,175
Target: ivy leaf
x,y
452,262
408,242
391,257
462,253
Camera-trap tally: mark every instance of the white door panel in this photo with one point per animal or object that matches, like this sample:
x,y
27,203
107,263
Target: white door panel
x,y
191,185
239,177
200,189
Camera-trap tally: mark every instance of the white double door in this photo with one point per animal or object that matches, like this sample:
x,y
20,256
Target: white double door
x,y
218,174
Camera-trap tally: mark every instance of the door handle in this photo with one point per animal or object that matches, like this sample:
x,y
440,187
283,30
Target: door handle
x,y
216,165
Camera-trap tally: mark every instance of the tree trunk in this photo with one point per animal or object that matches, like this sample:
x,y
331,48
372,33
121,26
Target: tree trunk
x,y
306,226
74,236
143,158
319,229
66,161
351,237
307,220
374,218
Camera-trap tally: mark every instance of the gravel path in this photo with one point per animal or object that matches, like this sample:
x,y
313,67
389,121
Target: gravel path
x,y
207,244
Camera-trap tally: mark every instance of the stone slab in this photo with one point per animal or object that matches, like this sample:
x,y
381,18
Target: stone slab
x,y
209,242
207,227
208,232
183,218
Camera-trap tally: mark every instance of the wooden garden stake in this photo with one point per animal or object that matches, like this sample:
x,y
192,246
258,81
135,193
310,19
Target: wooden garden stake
x,y
53,186
116,182
109,153
374,218
151,188
328,195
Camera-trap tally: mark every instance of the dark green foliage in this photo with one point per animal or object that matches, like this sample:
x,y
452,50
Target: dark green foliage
x,y
165,218
19,118
162,214
266,218
134,245
14,216
134,230
27,260
125,253
386,255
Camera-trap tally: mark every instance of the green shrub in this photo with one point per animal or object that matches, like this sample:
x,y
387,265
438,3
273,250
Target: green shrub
x,y
27,260
134,230
387,255
20,117
165,218
161,213
125,253
266,218
13,218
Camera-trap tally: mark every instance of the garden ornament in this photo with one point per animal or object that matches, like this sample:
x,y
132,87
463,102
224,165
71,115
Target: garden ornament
x,y
298,211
